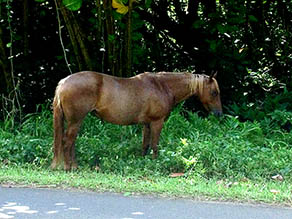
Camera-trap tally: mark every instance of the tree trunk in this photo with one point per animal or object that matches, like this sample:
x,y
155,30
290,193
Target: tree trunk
x,y
6,83
99,34
25,28
80,38
110,37
128,47
99,21
73,40
77,38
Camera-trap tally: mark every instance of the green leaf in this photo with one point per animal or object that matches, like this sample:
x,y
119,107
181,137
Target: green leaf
x,y
72,5
198,24
59,57
17,37
137,36
40,1
43,13
148,3
221,28
8,45
92,20
111,37
252,18
213,45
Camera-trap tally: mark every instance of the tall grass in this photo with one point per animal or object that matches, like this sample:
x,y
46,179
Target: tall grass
x,y
208,147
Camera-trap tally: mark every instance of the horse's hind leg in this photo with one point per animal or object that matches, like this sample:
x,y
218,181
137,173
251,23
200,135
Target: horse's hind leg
x,y
69,150
146,139
74,164
58,134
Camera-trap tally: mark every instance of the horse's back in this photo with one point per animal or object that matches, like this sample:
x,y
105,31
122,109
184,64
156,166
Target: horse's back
x,y
138,99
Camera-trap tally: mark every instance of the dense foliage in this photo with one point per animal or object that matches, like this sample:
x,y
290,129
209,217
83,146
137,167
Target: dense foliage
x,y
248,42
206,147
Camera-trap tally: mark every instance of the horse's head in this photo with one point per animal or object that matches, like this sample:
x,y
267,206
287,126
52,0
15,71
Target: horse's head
x,y
210,95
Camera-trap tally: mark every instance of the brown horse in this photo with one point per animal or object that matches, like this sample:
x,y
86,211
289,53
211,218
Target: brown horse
x,y
147,99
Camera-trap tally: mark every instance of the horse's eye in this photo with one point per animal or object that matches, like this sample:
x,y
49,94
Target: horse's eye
x,y
214,93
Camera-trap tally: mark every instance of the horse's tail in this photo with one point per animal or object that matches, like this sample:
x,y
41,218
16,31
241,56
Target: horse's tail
x,y
58,120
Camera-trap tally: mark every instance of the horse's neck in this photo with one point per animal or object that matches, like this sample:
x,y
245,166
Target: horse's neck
x,y
180,86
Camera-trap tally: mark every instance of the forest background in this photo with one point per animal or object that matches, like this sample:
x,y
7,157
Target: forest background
x,y
248,42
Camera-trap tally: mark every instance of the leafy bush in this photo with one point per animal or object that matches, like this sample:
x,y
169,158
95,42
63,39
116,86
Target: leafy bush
x,y
209,147
29,142
274,111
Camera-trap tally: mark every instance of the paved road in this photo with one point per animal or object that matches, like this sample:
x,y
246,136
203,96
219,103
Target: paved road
x,y
56,203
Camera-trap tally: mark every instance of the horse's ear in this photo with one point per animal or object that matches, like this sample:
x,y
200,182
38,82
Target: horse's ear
x,y
213,75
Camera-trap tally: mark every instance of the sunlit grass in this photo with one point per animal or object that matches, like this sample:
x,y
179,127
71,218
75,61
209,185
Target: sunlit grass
x,y
217,158
264,191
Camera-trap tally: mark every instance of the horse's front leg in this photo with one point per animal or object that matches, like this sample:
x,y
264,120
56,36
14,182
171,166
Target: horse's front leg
x,y
146,139
155,128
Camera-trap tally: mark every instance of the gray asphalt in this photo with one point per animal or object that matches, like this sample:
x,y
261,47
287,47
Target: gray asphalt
x,y
56,203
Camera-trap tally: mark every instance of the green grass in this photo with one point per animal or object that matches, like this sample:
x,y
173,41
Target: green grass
x,y
244,190
222,158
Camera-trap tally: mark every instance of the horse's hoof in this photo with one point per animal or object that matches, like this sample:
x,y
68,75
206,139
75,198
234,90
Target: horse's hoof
x,y
74,166
54,165
67,167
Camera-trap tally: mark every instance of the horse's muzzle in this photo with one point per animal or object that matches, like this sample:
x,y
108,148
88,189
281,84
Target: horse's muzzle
x,y
217,112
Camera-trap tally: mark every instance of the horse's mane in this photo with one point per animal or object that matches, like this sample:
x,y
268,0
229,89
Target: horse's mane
x,y
197,82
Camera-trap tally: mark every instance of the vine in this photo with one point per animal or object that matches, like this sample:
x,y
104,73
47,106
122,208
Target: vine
x,y
60,36
11,102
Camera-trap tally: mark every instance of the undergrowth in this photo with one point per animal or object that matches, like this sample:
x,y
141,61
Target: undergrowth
x,y
208,147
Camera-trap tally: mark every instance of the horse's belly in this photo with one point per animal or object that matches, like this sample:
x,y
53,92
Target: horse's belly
x,y
126,107
116,115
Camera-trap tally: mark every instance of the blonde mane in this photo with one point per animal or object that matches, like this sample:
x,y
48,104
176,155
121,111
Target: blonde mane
x,y
197,82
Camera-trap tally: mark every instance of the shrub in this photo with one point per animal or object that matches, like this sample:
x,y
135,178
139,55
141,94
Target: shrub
x,y
274,111
210,147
